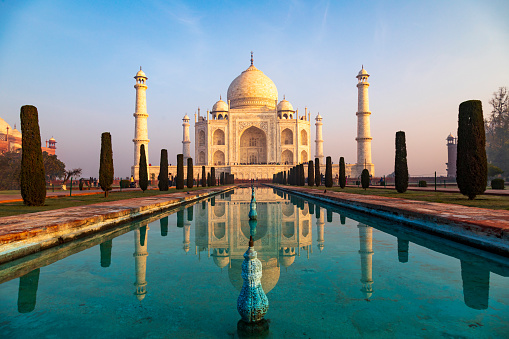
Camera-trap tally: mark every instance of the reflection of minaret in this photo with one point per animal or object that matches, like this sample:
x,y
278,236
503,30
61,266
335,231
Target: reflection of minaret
x,y
27,293
476,285
319,230
366,252
140,260
187,229
163,222
105,248
403,250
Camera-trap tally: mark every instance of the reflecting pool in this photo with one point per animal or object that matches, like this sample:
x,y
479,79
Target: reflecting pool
x,y
327,273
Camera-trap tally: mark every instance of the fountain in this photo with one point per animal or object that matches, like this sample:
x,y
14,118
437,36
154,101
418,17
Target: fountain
x,y
252,303
252,210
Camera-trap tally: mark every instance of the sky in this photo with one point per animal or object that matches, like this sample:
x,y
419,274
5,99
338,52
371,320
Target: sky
x,y
75,61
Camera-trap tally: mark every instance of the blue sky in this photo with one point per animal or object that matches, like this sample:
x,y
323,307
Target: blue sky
x,y
75,61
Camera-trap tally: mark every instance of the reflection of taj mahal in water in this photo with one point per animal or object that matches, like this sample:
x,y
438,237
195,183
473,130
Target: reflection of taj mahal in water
x,y
283,236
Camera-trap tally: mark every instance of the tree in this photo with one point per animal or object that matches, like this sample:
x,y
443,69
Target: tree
x,y
105,164
180,172
209,183
163,171
203,177
53,167
213,176
311,173
497,130
10,168
68,174
328,172
143,169
493,170
342,172
400,163
365,178
190,173
32,176
471,164
318,178
221,178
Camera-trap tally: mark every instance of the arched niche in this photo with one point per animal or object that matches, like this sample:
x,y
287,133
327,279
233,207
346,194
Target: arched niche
x,y
253,146
218,137
287,157
287,137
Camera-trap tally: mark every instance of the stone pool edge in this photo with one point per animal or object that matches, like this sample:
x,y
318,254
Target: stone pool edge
x,y
34,232
488,236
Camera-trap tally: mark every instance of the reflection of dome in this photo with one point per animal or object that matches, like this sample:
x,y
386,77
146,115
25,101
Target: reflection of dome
x,y
140,297
287,256
270,274
220,106
252,88
221,257
3,126
284,105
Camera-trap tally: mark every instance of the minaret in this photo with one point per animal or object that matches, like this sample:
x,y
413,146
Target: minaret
x,y
366,252
186,142
319,139
140,118
140,261
452,153
319,230
363,127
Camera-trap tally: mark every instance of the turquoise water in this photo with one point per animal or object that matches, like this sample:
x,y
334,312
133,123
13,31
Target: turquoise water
x,y
328,273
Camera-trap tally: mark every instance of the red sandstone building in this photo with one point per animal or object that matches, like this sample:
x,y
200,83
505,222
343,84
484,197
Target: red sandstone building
x,y
10,140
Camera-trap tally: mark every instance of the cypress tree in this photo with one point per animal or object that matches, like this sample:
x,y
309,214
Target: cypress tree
x,y
221,178
32,176
213,176
208,179
471,163
400,163
365,178
302,177
190,173
163,171
317,172
203,177
328,172
143,170
284,178
106,164
311,173
342,172
180,172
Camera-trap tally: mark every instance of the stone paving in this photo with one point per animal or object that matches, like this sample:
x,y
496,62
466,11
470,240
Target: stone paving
x,y
25,234
479,227
449,189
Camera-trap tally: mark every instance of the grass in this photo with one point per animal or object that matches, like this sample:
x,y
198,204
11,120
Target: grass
x,y
17,208
483,201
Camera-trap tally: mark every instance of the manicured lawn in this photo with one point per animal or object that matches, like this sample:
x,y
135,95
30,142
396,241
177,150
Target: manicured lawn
x,y
483,201
15,208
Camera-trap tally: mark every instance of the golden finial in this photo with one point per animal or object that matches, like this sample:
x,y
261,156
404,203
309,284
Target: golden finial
x,y
251,58
140,68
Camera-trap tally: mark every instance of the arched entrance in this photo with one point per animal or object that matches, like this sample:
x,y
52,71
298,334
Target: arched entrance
x,y
253,146
219,158
287,157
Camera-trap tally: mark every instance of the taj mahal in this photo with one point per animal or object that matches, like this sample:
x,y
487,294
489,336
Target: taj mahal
x,y
251,135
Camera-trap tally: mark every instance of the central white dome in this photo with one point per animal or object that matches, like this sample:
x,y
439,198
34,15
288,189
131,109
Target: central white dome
x,y
252,88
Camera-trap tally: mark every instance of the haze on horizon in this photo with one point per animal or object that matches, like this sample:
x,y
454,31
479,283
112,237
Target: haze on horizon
x,y
76,62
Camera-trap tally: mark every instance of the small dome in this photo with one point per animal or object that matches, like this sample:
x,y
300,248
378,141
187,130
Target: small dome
x,y
3,127
15,133
52,139
287,260
284,105
221,261
318,117
362,72
450,136
220,106
186,117
141,73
